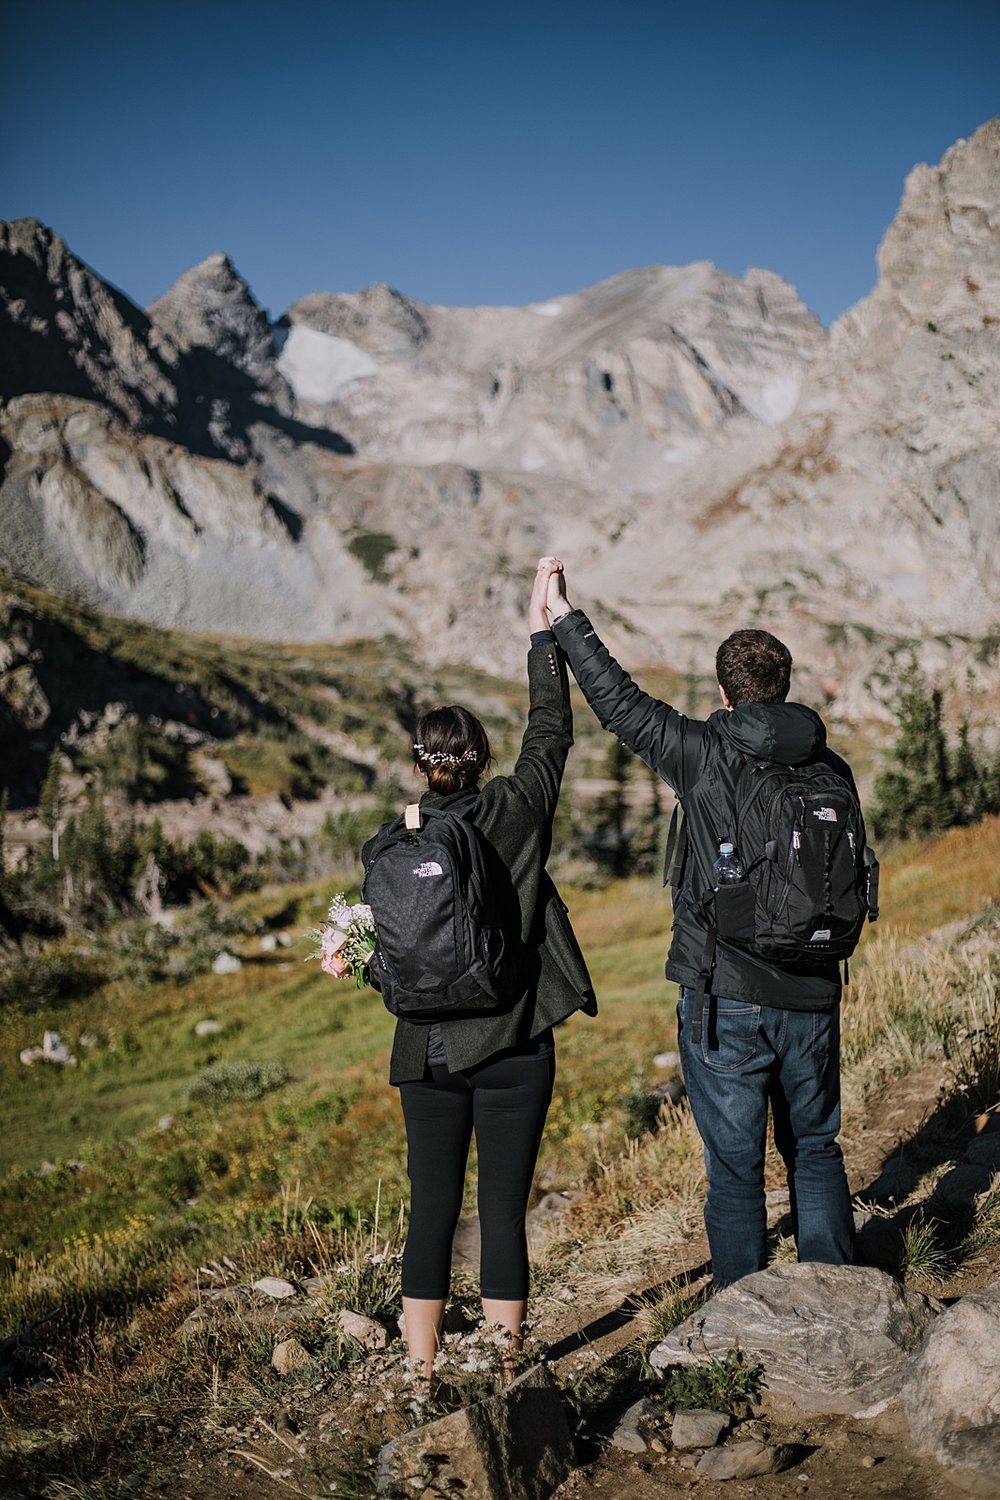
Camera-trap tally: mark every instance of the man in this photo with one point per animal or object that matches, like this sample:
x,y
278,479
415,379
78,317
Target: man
x,y
770,1036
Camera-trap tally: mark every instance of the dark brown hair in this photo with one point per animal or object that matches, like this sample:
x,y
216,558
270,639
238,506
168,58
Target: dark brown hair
x,y
452,748
753,666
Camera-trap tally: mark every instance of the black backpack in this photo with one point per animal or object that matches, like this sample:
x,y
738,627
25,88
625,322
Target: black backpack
x,y
810,880
442,951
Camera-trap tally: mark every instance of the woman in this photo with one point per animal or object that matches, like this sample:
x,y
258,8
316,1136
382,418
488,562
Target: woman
x,y
493,1073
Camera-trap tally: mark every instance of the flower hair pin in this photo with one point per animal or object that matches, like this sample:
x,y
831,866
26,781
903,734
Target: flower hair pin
x,y
444,757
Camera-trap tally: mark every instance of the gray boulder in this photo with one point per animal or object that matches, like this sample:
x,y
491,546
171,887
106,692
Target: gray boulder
x,y
695,1428
746,1460
830,1338
512,1446
629,1430
951,1393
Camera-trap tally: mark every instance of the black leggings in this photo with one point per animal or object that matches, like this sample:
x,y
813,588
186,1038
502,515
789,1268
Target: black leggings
x,y
505,1100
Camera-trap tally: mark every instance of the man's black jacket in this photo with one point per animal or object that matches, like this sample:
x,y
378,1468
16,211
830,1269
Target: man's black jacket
x,y
701,760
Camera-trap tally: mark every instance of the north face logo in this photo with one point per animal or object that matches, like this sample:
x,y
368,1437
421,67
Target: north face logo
x,y
825,814
429,867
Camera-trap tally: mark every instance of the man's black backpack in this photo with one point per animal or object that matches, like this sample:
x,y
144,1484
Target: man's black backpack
x,y
810,880
442,951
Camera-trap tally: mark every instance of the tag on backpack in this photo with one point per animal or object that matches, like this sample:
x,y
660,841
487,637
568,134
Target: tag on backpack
x,y
411,816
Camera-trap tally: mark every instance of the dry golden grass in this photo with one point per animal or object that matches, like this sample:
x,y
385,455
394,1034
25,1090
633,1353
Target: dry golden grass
x,y
944,879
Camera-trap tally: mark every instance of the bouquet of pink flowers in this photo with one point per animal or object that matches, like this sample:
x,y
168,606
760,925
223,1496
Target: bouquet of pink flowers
x,y
346,941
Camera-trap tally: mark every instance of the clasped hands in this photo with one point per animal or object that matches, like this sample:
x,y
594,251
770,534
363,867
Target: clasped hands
x,y
548,600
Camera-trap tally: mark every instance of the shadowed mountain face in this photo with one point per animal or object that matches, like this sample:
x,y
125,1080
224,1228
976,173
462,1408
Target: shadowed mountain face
x,y
698,447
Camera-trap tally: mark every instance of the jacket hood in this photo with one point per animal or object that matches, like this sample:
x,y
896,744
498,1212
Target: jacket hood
x,y
789,733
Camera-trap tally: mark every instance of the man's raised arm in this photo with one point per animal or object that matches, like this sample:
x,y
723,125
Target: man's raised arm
x,y
657,732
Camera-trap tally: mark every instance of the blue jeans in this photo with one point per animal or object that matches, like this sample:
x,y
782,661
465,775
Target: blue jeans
x,y
751,1056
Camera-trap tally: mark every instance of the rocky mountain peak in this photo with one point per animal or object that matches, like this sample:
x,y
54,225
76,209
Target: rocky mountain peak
x,y
211,307
939,261
380,320
68,330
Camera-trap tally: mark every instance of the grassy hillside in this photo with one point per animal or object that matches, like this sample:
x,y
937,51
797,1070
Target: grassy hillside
x,y
219,1165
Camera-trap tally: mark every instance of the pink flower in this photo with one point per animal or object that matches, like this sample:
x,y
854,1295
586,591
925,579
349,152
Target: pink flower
x,y
334,965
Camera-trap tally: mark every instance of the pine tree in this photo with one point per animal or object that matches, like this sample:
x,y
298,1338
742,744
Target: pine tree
x,y
927,789
650,853
610,840
968,780
991,784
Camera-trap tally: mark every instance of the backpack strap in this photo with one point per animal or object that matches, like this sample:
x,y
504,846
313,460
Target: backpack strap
x,y
704,978
705,968
676,844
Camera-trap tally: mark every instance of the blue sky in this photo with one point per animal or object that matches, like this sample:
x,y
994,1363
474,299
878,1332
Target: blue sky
x,y
470,153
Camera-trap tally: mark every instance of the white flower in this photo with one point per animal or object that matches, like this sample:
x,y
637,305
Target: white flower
x,y
332,940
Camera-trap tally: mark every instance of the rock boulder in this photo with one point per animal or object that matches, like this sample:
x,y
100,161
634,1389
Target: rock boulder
x,y
830,1338
951,1393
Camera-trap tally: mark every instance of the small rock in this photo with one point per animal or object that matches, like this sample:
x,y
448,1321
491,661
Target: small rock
x,y
314,1286
165,1122
369,1332
290,1356
284,940
868,1462
627,1432
54,1049
227,963
697,1428
268,943
274,1286
209,1027
746,1460
46,1169
195,1322
666,1060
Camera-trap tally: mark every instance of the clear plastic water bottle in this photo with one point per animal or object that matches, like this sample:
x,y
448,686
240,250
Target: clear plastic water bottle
x,y
727,869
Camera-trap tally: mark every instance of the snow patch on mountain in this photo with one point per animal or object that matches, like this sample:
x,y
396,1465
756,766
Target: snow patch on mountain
x,y
320,367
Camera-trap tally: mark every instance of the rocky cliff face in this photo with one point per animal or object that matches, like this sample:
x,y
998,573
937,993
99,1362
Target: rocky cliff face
x,y
698,447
